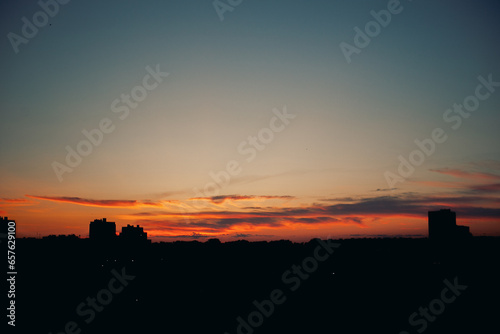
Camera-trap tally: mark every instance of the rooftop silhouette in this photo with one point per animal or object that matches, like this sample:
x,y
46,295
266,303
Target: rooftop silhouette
x,y
134,234
103,233
443,227
102,230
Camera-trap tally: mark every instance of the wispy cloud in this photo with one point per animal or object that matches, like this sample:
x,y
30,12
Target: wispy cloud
x,y
495,187
439,184
342,213
222,198
470,182
177,219
100,203
16,202
385,189
339,199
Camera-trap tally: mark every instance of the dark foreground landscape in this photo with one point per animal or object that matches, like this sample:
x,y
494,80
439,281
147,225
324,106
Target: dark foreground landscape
x,y
72,285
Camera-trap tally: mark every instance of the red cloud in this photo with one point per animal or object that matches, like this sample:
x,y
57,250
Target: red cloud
x,y
222,198
355,213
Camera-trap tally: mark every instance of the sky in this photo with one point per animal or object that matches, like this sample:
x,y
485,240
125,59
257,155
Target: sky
x,y
257,120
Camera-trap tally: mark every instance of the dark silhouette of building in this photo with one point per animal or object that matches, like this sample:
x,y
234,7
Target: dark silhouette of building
x,y
443,227
102,230
133,234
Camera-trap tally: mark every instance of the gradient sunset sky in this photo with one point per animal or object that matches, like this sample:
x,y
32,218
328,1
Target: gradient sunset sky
x,y
331,127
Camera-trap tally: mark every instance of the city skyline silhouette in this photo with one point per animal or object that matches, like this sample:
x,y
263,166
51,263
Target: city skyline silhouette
x,y
116,281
